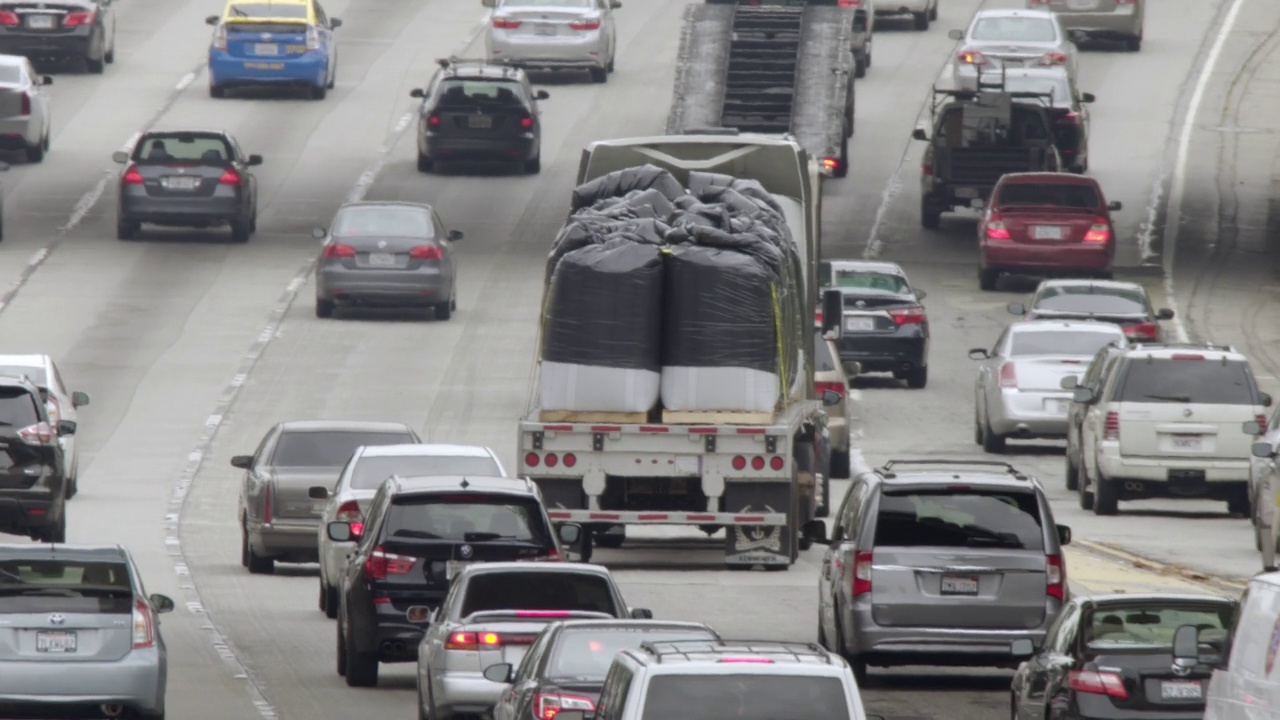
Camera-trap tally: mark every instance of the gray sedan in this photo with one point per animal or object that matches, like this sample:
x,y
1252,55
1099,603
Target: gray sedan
x,y
387,254
1011,38
1100,19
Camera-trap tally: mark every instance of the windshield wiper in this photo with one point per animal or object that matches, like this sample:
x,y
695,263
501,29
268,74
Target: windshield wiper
x,y
422,534
1170,398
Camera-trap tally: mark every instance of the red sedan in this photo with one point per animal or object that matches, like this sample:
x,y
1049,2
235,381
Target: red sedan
x,y
1046,224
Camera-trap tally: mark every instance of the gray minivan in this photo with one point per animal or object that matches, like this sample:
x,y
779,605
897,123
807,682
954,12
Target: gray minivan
x,y
939,562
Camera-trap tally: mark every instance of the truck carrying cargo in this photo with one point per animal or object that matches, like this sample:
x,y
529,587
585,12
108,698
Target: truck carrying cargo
x,y
775,67
674,382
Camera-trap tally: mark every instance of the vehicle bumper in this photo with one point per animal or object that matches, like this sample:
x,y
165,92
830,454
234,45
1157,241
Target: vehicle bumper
x,y
395,639
310,69
296,540
560,52
465,692
902,7
22,511
884,353
945,196
1086,706
179,211
73,45
1049,260
136,680
382,287
19,134
1148,477
1123,22
521,147
1030,414
889,646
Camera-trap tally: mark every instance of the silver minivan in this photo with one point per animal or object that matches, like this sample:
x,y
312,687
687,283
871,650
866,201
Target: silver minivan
x,y
939,562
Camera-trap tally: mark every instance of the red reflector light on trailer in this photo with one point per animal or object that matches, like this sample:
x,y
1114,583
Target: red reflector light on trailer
x,y
757,463
531,459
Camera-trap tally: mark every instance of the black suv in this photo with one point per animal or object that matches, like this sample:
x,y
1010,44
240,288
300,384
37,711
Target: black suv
x,y
885,327
32,483
421,532
475,110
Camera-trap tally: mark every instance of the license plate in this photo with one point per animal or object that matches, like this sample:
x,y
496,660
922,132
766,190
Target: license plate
x,y
1181,690
180,182
56,642
382,259
1188,442
266,49
1083,5
1046,232
967,193
1056,406
454,567
483,122
41,22
854,324
954,585
545,29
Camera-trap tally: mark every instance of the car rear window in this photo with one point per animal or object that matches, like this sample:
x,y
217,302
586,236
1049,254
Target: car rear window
x,y
182,147
745,697
374,220
36,375
10,74
586,653
548,3
268,10
1062,195
539,591
17,407
1152,627
67,586
822,360
1089,299
370,472
471,517
972,518
235,29
1061,342
866,280
469,93
1014,29
1192,380
329,448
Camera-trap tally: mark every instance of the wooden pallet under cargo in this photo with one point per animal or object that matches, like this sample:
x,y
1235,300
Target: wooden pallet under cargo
x,y
716,417
579,416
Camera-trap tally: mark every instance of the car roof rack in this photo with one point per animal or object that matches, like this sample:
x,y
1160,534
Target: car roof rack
x,y
685,649
453,61
990,88
1181,346
886,470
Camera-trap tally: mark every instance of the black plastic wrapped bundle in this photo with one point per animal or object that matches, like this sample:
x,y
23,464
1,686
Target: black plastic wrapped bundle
x,y
587,228
699,182
621,182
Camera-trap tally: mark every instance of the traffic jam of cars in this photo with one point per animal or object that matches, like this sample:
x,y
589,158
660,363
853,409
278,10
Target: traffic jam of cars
x,y
439,557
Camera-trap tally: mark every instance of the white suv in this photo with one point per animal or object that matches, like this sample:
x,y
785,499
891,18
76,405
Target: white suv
x,y
1164,421
744,680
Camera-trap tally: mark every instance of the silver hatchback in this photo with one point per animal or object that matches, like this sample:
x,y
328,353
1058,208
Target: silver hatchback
x,y
939,562
1099,19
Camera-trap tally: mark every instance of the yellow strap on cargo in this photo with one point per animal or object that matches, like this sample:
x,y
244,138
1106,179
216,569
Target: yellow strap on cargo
x,y
782,354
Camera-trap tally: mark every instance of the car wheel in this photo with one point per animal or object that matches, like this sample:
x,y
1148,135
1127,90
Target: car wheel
x,y
333,79
930,219
71,488
341,654
1238,502
330,601
1071,474
1106,497
425,164
917,377
977,427
239,231
534,166
921,20
217,92
444,311
324,308
933,14
609,67
1133,44
319,93
860,65
840,464
988,278
257,564
110,56
127,229
991,441
253,222
94,66
362,668
1085,494
843,168
35,153
599,75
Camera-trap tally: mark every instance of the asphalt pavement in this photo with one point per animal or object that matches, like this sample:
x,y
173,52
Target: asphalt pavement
x,y
192,347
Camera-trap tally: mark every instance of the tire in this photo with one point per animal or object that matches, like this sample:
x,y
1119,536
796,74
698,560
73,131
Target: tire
x,y
425,164
94,66
860,65
599,75
324,308
1238,503
253,222
35,153
988,279
610,66
257,564
71,488
1106,497
1071,474
917,377
127,229
58,533
921,20
840,464
333,80
217,92
843,169
1085,494
329,595
1133,44
319,93
239,231
991,442
930,219
933,14
362,668
109,56
977,428
341,653
534,166
444,311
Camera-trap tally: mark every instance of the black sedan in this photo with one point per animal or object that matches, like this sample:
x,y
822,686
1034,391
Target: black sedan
x,y
565,668
66,30
1124,303
885,327
187,178
1110,657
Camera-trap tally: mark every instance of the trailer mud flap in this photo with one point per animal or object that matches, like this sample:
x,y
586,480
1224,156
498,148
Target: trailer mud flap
x,y
760,544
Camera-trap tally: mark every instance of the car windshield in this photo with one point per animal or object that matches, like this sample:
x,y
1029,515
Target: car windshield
x,y
268,10
745,697
17,408
1014,29
973,518
468,93
182,148
36,375
517,590
328,448
548,3
1061,342
870,280
1135,627
1085,299
822,360
67,586
470,517
370,472
1057,85
382,220
1187,378
586,653
1025,194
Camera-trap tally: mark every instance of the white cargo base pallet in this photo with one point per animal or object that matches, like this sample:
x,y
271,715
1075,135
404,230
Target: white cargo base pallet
x,y
664,518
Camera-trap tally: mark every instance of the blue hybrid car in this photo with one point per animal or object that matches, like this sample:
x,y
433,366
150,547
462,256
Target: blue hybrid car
x,y
273,43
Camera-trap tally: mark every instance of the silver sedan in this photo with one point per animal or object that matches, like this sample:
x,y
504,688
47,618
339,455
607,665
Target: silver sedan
x,y
1100,19
554,35
24,108
388,254
1019,386
1011,38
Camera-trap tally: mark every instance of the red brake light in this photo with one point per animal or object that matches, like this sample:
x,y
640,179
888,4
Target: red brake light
x,y
551,460
1099,233
462,641
433,120
1097,683
547,705
143,625
831,164
381,564
526,122
338,250
78,19
1053,58
39,434
132,176
971,57
229,177
1070,118
593,24
1142,331
861,573
26,104
908,316
849,3
9,17
817,318
995,228
426,252
1111,429
1055,577
350,513
505,23
835,387
1008,375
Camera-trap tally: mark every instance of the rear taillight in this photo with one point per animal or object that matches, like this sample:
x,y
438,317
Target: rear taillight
x,y
382,563
230,177
1142,331
9,17
426,252
338,250
1097,683
313,38
433,120
505,23
79,19
350,513
861,573
1070,119
1009,375
526,122
1099,233
592,24
1261,420
267,497
995,229
547,705
553,555
908,316
971,57
132,176
473,641
144,635
26,104
1111,428
835,387
1053,58
39,434
1055,577
219,38
55,410
831,164
817,318
849,3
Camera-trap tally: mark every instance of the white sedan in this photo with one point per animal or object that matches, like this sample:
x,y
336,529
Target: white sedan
x,y
1010,38
24,108
554,35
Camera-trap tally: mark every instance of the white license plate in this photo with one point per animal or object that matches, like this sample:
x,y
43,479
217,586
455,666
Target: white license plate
x,y
1188,442
56,642
266,49
1046,232
1083,5
1181,690
855,324
454,567
953,585
480,122
967,193
1057,406
42,22
180,183
382,259
545,29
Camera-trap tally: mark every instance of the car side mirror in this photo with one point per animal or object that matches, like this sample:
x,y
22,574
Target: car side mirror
x,y
318,233
979,354
120,156
340,532
66,427
244,462
79,399
615,4
455,235
1069,382
641,614
956,34
541,95
1022,648
1115,205
162,603
335,23
318,492
501,673
46,80
853,368
211,20
1082,395
1186,646
815,531
1064,535
254,160
1016,308
418,614
921,294
920,134
831,397
1164,314
1087,98
417,93
1263,450
569,533
1265,399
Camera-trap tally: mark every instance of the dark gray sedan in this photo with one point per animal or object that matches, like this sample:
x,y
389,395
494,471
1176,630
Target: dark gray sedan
x,y
187,178
389,254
